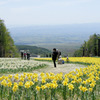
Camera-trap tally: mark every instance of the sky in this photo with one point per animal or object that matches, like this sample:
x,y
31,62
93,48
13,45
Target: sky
x,y
49,12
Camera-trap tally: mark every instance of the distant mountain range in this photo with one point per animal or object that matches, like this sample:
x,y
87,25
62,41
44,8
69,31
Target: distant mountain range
x,y
65,37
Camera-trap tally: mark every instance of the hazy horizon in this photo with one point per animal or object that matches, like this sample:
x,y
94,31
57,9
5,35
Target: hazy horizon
x,y
19,26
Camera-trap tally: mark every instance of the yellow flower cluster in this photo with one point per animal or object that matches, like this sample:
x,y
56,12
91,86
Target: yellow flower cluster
x,y
27,80
4,83
15,87
70,86
90,60
82,88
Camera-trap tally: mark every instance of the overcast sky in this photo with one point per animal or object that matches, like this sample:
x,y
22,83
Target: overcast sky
x,y
49,12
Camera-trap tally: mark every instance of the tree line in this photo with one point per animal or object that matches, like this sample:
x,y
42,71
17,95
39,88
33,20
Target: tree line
x,y
7,47
90,47
34,50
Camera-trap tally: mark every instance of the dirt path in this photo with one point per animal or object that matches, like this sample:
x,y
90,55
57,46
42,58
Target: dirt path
x,y
65,68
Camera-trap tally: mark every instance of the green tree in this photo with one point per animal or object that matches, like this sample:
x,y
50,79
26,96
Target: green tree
x,y
89,48
7,47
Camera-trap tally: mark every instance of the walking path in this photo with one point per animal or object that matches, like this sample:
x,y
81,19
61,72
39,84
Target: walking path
x,y
64,68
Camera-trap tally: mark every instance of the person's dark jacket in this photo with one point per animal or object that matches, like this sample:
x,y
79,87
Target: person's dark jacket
x,y
54,55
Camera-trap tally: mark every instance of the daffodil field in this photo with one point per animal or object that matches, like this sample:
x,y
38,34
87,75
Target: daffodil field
x,y
14,65
84,60
81,84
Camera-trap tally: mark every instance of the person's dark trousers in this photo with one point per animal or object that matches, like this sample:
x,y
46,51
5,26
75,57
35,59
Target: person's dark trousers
x,y
54,61
27,58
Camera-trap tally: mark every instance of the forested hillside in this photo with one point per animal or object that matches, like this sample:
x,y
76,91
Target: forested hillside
x,y
7,47
34,50
90,47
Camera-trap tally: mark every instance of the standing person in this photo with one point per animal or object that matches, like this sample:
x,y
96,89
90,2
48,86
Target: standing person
x,y
25,55
59,54
22,55
54,56
28,56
